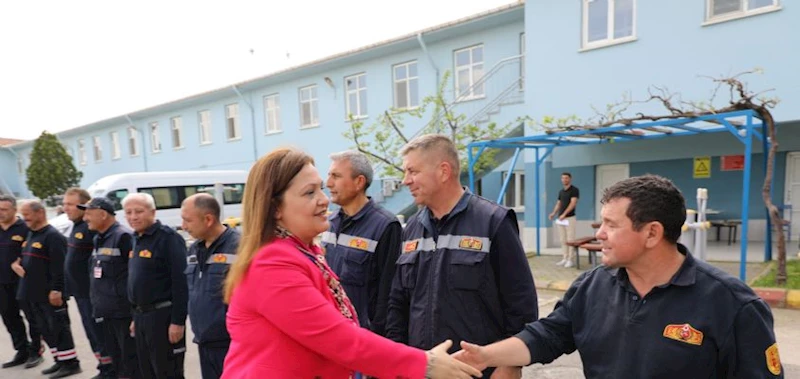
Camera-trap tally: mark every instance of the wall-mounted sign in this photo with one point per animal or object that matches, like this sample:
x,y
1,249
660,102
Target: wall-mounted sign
x,y
702,167
732,162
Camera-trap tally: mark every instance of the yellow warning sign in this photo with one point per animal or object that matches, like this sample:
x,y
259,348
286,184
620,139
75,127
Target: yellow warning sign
x,y
702,167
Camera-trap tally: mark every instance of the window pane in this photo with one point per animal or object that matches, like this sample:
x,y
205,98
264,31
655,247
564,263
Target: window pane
x,y
352,110
306,114
477,54
463,81
623,18
412,69
477,73
351,83
362,81
399,72
304,93
726,6
598,20
522,190
313,91
755,4
233,193
314,113
401,95
462,58
165,197
414,93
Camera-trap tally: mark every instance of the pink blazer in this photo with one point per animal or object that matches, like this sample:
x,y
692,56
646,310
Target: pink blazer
x,y
284,323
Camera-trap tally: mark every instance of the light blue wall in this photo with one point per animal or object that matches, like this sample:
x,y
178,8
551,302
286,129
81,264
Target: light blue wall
x,y
499,34
9,174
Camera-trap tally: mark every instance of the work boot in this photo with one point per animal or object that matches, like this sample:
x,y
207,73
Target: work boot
x,y
34,361
67,369
20,358
51,369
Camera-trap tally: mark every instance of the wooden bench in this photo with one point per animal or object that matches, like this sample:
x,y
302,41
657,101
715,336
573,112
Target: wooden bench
x,y
592,248
732,226
577,243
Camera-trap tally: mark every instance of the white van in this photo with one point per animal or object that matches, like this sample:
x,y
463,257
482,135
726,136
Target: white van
x,y
170,188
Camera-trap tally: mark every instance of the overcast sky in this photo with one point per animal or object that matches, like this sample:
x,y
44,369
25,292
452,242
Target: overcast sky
x,y
64,64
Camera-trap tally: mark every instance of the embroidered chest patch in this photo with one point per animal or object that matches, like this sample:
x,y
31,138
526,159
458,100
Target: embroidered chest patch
x,y
37,245
358,243
79,235
17,238
220,258
470,243
684,333
145,254
410,246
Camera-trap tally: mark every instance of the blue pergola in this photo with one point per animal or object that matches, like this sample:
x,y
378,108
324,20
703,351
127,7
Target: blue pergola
x,y
744,125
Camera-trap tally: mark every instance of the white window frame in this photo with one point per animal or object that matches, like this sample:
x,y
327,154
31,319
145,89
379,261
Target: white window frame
x,y
82,152
97,149
518,202
742,13
609,40
407,81
204,126
472,79
272,114
313,102
233,128
155,139
20,165
115,152
361,109
133,141
176,132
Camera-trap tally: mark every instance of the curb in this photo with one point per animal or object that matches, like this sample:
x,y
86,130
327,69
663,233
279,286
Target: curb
x,y
557,285
793,299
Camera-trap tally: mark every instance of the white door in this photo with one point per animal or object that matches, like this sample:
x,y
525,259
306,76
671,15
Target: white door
x,y
792,195
606,176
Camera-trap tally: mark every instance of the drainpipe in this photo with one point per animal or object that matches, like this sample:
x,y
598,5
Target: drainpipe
x,y
131,125
430,59
252,120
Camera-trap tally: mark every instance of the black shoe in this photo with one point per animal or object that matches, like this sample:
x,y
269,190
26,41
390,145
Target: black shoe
x,y
33,361
51,369
19,358
67,369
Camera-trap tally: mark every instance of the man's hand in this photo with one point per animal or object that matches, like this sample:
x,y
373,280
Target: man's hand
x,y
473,355
55,299
441,365
561,217
507,372
175,333
133,330
552,215
17,268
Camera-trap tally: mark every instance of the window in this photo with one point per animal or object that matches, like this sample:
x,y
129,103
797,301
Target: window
x,y
608,21
205,127
469,70
115,152
20,165
406,86
165,197
155,141
116,197
172,197
82,152
515,191
309,113
98,151
133,142
356,96
730,9
272,113
176,126
232,121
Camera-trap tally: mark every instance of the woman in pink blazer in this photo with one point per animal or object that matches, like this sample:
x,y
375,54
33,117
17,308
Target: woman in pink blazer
x,y
288,316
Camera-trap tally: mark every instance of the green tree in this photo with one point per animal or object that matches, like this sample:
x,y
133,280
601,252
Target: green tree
x,y
382,140
51,170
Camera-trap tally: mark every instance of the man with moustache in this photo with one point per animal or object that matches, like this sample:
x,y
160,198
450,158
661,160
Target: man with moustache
x,y
111,248
157,290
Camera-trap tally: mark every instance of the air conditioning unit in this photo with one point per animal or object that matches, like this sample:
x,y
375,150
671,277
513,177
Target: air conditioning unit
x,y
389,186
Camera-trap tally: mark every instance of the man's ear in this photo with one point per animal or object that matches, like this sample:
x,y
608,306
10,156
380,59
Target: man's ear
x,y
655,233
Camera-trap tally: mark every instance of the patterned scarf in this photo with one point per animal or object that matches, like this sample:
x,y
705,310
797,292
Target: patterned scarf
x,y
335,288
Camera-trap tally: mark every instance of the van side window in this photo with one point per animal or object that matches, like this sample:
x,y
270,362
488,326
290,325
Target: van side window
x,y
233,193
116,197
165,197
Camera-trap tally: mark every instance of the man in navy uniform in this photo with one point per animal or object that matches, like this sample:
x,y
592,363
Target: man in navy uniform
x,y
42,285
210,256
652,310
13,232
108,269
462,274
157,290
76,275
363,241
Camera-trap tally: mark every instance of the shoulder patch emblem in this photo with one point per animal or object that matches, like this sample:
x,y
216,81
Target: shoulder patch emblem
x,y
773,359
470,243
410,246
358,243
220,258
24,243
145,254
17,238
37,245
684,333
79,235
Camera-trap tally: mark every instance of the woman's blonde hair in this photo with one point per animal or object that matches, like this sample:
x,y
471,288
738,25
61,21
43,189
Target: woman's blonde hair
x,y
263,194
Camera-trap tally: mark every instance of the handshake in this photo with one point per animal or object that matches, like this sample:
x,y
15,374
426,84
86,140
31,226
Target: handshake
x,y
465,363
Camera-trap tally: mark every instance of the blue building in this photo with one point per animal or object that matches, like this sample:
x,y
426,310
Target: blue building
x,y
580,54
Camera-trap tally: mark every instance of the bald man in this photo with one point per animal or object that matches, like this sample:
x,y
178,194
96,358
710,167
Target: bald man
x,y
209,258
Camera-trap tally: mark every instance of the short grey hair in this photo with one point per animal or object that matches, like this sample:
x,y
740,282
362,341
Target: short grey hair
x,y
34,205
358,162
438,143
146,198
10,199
